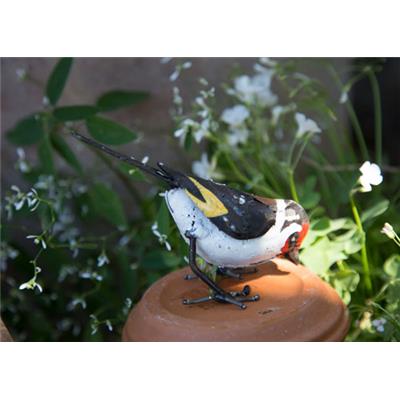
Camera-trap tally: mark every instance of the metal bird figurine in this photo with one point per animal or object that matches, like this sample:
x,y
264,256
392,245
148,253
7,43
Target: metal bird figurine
x,y
228,228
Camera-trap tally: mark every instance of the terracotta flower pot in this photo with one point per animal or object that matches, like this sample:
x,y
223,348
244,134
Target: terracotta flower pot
x,y
295,305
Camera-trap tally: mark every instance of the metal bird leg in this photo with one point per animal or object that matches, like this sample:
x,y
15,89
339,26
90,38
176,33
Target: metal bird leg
x,y
218,294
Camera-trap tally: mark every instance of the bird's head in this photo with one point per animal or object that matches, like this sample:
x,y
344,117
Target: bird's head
x,y
294,214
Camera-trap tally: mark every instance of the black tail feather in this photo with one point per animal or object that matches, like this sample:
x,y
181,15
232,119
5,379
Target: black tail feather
x,y
160,172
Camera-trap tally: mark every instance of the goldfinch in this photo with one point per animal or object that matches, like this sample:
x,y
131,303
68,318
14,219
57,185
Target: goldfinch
x,y
226,227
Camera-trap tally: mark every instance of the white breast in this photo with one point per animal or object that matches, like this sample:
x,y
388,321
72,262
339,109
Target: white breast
x,y
215,246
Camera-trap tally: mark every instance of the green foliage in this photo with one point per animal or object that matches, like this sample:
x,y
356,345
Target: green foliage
x,y
374,211
107,204
74,113
27,131
61,146
58,79
120,98
109,132
46,155
392,266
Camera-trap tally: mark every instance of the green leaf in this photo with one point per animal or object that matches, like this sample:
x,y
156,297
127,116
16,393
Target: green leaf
x,y
119,99
323,226
353,244
393,296
63,149
308,197
107,203
74,113
163,219
392,266
345,282
27,131
375,210
322,254
109,132
347,279
57,80
129,282
46,156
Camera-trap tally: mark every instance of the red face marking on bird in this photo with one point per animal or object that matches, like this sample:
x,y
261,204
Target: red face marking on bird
x,y
295,240
302,234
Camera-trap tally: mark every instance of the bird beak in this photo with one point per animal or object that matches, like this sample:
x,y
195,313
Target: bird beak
x,y
293,255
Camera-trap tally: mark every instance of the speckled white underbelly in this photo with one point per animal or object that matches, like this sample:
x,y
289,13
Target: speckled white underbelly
x,y
215,246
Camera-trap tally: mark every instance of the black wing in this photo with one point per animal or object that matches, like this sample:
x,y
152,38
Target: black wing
x,y
246,217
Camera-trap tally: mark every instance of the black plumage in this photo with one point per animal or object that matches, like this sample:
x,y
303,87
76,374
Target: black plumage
x,y
247,216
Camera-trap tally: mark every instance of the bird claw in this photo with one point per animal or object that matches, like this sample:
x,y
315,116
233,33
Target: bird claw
x,y
235,298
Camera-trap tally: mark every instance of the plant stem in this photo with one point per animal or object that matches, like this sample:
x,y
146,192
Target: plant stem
x,y
357,130
301,150
364,256
291,151
236,170
378,116
353,117
293,190
245,180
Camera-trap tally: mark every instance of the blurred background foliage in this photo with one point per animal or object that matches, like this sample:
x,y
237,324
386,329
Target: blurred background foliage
x,y
74,261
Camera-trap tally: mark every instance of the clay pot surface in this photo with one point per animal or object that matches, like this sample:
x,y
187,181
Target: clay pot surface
x,y
295,305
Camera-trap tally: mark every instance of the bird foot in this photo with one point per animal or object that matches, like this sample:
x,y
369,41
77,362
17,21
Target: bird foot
x,y
235,298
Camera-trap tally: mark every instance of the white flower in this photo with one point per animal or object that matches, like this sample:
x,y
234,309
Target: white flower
x,y
204,169
202,131
46,101
19,204
235,116
177,100
388,231
370,175
109,326
102,259
305,125
76,302
344,97
22,165
256,89
238,135
162,238
124,240
165,60
32,199
32,284
175,75
268,62
203,81
379,324
38,239
185,126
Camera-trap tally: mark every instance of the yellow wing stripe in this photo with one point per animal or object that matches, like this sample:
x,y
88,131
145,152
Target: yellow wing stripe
x,y
212,207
